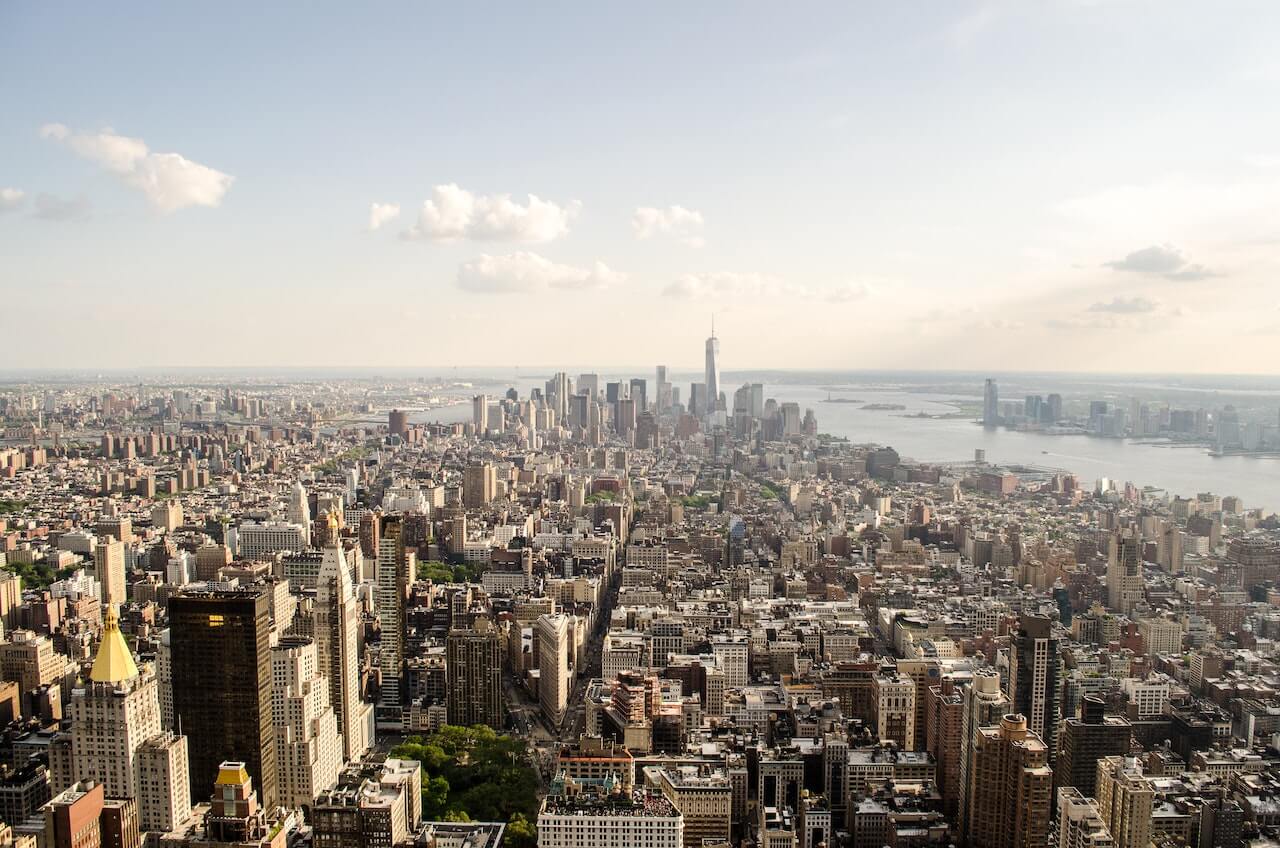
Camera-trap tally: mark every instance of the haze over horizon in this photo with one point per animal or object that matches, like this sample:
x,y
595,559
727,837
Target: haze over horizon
x,y
1074,187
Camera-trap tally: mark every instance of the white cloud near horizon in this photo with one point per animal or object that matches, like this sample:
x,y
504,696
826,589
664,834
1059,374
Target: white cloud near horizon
x,y
524,272
11,199
168,180
1162,260
1119,305
737,285
454,214
382,213
684,224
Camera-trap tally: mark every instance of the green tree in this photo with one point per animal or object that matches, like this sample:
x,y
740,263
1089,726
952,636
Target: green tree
x,y
521,833
435,797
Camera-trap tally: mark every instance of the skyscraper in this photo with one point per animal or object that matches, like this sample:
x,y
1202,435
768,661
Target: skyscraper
x,y
1124,572
990,404
712,376
480,414
164,782
1011,787
1033,678
473,671
112,714
394,566
337,626
220,642
108,567
307,745
698,399
397,422
552,632
984,705
300,511
479,485
639,394
662,390
1125,798
1080,823
1087,739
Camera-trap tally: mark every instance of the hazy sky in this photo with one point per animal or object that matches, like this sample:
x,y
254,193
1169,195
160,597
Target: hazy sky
x,y
1045,185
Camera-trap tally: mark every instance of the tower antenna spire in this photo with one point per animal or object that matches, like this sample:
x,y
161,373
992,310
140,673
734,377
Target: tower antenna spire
x,y
713,325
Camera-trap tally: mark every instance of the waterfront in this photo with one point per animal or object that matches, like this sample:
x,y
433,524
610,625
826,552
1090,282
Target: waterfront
x,y
1179,469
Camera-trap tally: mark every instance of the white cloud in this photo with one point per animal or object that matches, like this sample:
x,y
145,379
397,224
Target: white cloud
x,y
523,272
850,292
1126,305
51,208
684,224
1095,321
170,181
11,199
728,285
381,213
453,213
1161,260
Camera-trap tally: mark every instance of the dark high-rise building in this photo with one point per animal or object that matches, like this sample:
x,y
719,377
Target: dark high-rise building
x,y
1087,739
397,422
220,644
1221,821
473,668
639,394
1033,678
395,564
1053,408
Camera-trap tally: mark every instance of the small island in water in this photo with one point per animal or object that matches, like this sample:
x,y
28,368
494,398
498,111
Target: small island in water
x,y
839,400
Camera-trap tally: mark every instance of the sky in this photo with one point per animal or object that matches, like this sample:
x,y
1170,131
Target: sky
x,y
1079,186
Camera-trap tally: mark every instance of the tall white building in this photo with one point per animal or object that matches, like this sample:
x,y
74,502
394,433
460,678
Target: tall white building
x,y
164,679
337,623
113,716
1080,823
480,414
180,569
300,511
308,750
554,673
164,786
116,710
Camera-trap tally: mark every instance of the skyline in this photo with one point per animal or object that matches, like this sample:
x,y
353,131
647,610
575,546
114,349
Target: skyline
x,y
890,173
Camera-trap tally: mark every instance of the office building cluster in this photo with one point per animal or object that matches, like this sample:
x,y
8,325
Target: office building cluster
x,y
223,606
1222,430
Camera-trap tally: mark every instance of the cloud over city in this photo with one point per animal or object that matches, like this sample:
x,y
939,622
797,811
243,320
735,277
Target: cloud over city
x,y
168,180
684,224
1161,260
454,214
524,272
